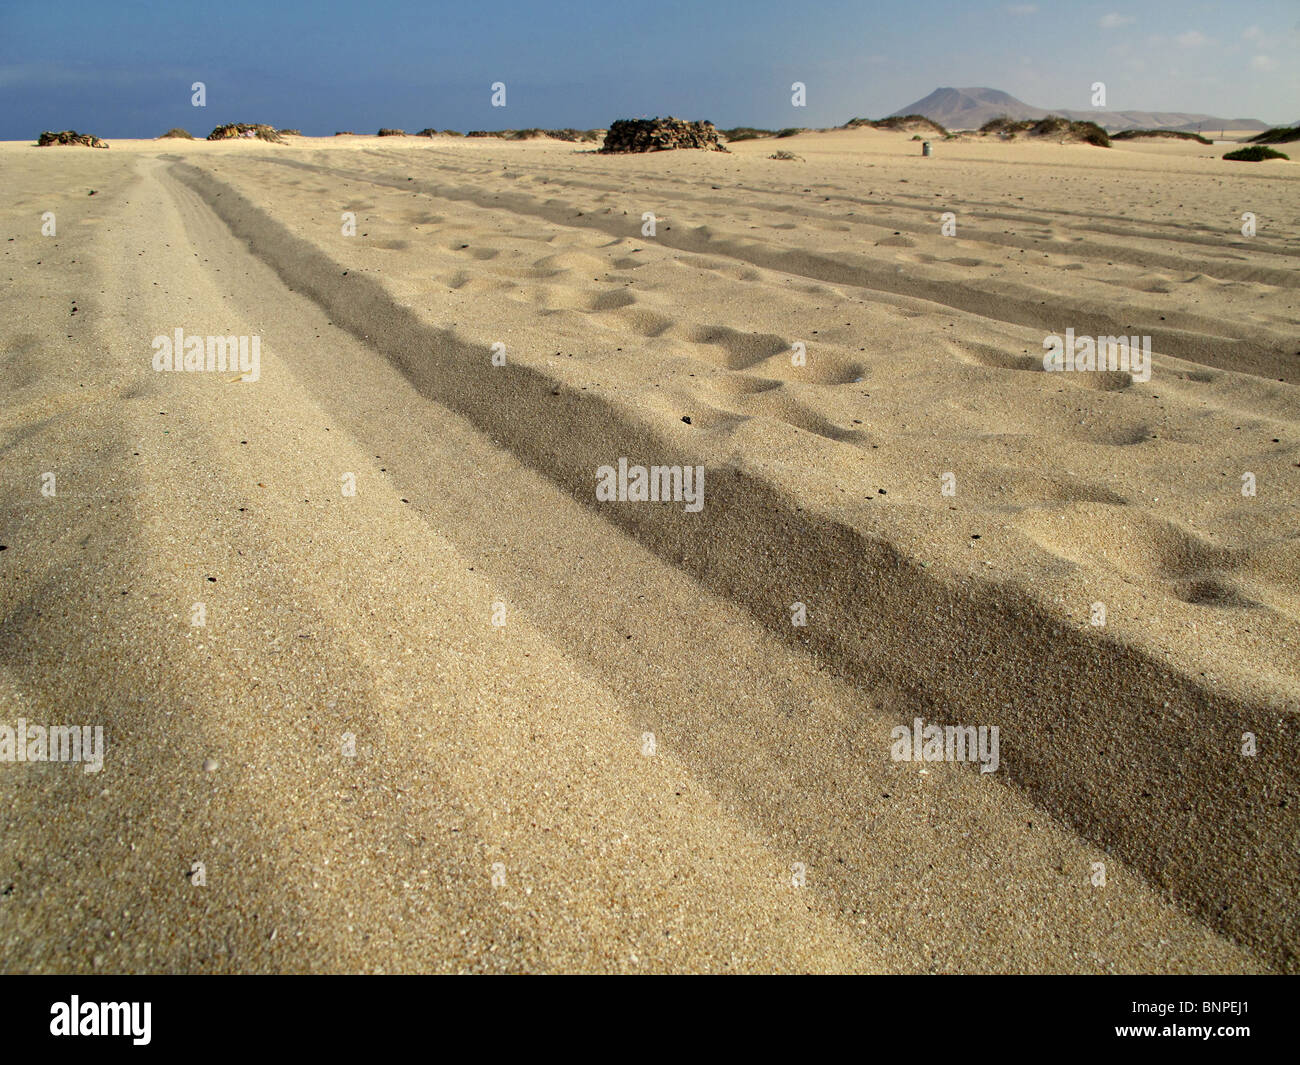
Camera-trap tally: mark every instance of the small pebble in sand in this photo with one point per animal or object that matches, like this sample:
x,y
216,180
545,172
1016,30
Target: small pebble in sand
x,y
211,765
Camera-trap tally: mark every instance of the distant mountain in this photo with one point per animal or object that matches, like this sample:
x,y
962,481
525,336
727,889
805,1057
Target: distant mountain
x,y
971,108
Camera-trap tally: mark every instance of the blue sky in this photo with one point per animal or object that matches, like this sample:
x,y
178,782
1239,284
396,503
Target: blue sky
x,y
326,65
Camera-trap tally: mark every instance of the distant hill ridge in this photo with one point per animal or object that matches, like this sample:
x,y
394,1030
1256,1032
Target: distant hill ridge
x,y
972,108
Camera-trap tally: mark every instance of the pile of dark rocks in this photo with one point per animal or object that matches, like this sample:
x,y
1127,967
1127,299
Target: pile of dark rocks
x,y
70,136
660,135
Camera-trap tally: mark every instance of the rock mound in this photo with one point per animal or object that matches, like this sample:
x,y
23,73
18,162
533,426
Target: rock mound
x,y
178,133
246,130
290,133
660,135
70,136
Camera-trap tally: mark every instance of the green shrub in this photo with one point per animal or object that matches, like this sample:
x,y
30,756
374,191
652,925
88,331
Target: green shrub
x,y
1255,154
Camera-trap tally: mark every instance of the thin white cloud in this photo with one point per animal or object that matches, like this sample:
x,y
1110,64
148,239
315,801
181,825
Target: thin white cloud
x,y
1192,39
1263,62
1022,9
1114,21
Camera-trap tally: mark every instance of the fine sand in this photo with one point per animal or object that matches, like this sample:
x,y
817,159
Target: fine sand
x,y
647,766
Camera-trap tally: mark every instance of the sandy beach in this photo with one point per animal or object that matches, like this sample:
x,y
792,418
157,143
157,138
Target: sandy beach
x,y
444,709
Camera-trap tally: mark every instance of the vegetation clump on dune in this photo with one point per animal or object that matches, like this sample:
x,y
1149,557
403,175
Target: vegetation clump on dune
x,y
345,133
1277,135
786,156
660,135
178,133
246,130
573,136
391,132
1255,154
900,123
290,133
570,135
1134,134
70,136
1051,126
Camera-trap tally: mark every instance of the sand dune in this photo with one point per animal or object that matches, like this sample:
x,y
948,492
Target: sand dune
x,y
523,744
